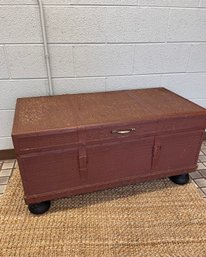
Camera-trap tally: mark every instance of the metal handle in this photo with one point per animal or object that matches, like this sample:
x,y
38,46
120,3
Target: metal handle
x,y
122,132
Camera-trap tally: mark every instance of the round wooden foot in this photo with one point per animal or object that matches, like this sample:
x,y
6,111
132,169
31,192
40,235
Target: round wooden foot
x,y
39,208
180,179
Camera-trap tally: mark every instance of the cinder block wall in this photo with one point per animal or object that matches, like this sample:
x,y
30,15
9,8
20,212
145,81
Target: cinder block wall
x,y
101,45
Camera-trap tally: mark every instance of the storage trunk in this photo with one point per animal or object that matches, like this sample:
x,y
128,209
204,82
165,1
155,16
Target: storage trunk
x,y
73,144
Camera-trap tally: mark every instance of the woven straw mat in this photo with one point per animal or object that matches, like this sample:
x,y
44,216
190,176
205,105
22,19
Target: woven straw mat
x,y
153,219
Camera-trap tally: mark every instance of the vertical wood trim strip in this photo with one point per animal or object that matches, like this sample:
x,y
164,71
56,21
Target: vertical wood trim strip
x,y
83,171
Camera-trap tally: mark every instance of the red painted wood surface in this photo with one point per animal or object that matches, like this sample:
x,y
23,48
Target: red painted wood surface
x,y
70,144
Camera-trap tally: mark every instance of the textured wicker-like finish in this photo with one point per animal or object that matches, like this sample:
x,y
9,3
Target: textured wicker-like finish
x,y
155,218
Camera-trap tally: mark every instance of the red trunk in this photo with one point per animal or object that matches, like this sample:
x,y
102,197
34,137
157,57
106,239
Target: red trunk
x,y
74,144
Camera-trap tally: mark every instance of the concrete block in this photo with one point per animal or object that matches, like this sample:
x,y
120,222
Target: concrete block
x,y
197,60
72,2
26,61
78,25
62,60
187,25
183,3
20,24
78,85
131,24
101,60
132,82
177,3
13,89
17,2
6,143
202,3
161,58
188,85
105,2
153,2
6,126
57,2
121,24
3,65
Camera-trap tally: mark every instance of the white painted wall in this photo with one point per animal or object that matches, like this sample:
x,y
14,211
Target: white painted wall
x,y
99,45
